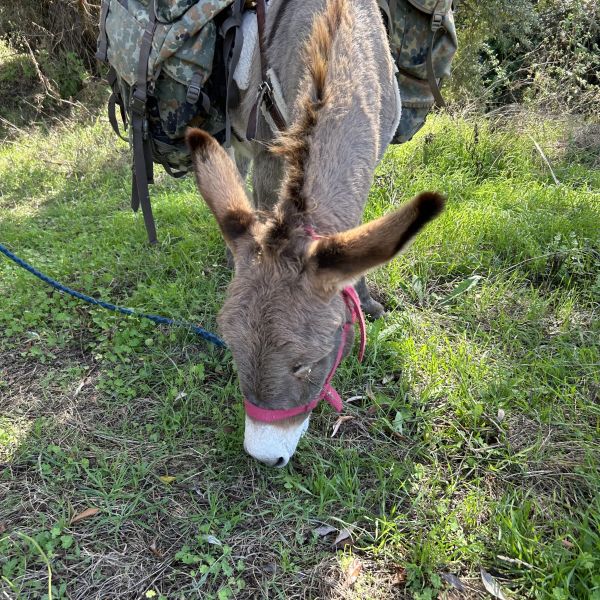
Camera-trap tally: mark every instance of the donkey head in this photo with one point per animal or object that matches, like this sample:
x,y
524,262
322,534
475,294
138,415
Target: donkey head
x,y
284,317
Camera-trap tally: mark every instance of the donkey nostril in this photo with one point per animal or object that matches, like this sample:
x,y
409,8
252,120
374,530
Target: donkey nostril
x,y
281,462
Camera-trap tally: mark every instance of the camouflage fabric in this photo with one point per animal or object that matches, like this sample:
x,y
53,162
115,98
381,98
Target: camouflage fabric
x,y
410,34
183,47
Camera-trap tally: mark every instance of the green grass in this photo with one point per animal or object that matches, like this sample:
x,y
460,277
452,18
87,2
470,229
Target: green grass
x,y
477,443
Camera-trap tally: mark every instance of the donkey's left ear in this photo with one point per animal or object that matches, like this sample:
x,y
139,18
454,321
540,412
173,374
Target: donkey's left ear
x,y
221,187
340,258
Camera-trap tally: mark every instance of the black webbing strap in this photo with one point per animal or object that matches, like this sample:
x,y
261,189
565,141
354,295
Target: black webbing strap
x,y
116,99
102,50
142,151
437,20
113,100
232,49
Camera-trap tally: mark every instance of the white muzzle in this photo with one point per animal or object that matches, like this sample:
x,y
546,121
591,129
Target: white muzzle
x,y
272,443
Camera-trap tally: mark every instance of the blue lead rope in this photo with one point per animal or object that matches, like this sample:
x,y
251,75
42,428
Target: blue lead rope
x,y
207,335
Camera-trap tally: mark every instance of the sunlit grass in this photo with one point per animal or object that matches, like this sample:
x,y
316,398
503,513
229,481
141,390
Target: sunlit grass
x,y
476,443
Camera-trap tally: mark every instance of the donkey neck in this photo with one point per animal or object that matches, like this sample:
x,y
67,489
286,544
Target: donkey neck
x,y
355,124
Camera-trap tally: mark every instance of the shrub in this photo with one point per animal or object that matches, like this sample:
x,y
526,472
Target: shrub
x,y
544,53
58,37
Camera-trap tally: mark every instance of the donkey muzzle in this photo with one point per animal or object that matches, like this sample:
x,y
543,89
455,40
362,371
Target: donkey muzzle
x,y
272,443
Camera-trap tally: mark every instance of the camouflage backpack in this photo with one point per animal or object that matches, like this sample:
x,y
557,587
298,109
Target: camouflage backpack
x,y
423,42
161,55
172,63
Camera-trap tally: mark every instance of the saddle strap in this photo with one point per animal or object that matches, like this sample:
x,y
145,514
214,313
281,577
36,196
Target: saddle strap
x,y
264,96
142,150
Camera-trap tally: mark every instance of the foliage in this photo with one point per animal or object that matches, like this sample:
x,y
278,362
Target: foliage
x,y
60,27
475,442
47,54
544,53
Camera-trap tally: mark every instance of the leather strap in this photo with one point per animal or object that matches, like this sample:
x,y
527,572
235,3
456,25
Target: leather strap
x,y
142,151
265,89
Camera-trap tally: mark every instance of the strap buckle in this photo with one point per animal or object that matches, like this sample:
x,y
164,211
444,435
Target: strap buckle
x,y
265,88
194,89
138,103
193,93
437,21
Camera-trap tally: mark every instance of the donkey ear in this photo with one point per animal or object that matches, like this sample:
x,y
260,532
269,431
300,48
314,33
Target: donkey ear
x,y
342,257
221,187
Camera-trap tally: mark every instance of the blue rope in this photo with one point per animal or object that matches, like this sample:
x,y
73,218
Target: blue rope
x,y
207,335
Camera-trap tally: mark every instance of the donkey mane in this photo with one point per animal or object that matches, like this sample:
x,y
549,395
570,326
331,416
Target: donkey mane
x,y
293,145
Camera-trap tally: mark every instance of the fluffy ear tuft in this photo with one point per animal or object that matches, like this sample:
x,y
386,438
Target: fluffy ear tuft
x,y
344,256
221,187
199,142
430,204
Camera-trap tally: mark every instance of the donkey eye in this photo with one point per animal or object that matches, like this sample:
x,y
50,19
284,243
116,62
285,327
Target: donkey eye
x,y
302,370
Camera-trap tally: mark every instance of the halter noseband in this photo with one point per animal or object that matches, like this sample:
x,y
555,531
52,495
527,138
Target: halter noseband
x,y
269,415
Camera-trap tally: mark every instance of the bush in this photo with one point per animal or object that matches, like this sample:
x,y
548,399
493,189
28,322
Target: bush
x,y
544,53
57,36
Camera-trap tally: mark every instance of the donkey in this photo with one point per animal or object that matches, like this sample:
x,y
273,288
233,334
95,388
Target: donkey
x,y
300,242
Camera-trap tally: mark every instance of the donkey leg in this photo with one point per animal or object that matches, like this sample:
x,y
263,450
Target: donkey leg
x,y
371,307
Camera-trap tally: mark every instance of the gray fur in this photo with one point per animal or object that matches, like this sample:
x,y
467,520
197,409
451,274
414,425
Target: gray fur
x,y
283,314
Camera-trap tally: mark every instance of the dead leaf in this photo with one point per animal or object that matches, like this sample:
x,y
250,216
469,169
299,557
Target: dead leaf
x,y
270,568
339,422
155,550
565,543
167,479
372,409
453,580
324,530
344,538
354,398
88,512
399,577
81,385
491,585
353,571
501,415
211,539
2,528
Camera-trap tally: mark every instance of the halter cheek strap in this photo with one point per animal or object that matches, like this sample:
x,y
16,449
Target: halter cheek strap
x,y
328,393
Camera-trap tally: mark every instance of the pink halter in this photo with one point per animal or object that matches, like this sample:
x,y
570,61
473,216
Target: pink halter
x,y
268,415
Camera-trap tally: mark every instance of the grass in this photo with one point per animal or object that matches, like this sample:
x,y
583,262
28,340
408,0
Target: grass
x,y
476,444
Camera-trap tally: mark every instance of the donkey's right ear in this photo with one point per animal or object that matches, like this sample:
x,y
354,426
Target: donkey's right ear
x,y
221,187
